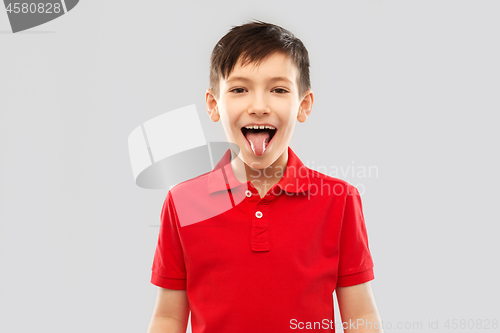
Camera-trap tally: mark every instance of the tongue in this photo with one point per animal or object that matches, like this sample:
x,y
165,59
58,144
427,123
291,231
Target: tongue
x,y
258,141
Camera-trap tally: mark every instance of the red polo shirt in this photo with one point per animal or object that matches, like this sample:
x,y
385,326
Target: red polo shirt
x,y
251,264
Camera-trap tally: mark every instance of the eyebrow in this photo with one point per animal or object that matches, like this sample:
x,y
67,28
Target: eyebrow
x,y
273,79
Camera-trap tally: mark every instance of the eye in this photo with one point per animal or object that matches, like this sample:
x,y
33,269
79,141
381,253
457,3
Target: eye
x,y
237,90
280,91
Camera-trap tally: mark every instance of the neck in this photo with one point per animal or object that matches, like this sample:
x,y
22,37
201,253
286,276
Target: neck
x,y
263,178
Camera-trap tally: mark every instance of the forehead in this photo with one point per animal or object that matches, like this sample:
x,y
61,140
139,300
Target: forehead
x,y
275,67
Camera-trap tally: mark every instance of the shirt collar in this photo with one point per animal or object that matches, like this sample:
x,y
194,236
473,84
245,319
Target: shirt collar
x,y
295,178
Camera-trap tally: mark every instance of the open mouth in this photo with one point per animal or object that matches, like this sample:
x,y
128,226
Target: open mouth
x,y
258,139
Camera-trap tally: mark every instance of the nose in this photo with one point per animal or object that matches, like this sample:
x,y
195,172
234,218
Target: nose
x,y
258,106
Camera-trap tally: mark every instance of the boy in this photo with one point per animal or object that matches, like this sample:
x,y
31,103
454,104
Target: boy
x,y
260,243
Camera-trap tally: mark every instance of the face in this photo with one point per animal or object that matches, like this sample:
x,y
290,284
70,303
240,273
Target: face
x,y
266,94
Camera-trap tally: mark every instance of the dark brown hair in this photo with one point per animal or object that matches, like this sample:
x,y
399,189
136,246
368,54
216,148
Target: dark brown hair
x,y
254,42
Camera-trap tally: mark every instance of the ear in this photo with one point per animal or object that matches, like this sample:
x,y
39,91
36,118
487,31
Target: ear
x,y
211,101
305,107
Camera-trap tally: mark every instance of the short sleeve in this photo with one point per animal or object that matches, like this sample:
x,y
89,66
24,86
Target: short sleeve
x,y
355,260
168,269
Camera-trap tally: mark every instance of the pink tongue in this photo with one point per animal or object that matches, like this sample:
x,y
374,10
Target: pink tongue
x,y
258,141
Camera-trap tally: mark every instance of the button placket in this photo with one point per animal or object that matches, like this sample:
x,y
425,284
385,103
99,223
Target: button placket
x,y
260,228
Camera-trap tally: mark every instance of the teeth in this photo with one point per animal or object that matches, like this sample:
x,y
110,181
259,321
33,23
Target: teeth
x,y
260,127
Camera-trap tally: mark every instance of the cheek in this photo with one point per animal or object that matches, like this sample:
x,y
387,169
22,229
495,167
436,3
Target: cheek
x,y
233,109
231,104
283,105
287,112
228,118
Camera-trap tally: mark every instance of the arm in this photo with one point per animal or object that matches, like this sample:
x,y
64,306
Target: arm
x,y
357,305
171,312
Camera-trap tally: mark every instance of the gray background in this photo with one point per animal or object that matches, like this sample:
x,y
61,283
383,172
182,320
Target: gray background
x,y
410,87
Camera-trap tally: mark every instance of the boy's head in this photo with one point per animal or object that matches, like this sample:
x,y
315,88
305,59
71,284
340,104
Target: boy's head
x,y
259,75
253,42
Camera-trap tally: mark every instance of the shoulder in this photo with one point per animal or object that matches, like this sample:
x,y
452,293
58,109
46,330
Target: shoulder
x,y
190,187
337,185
